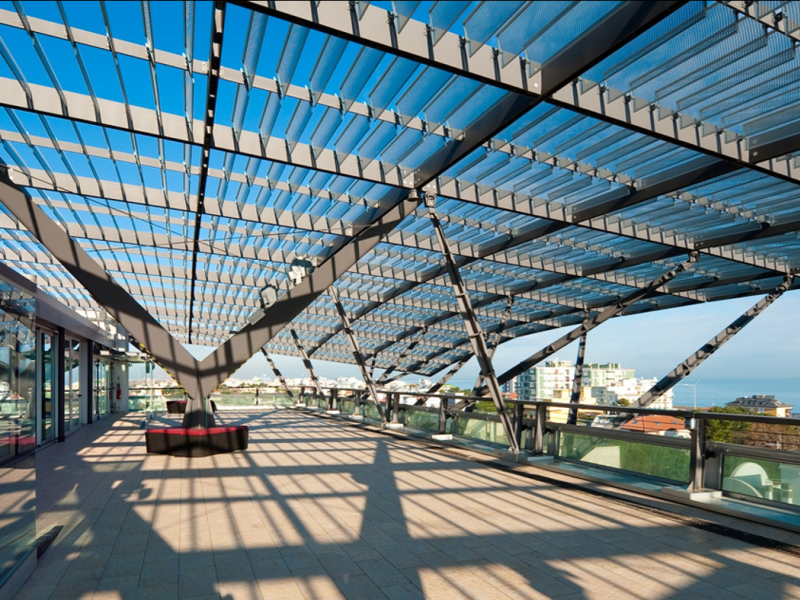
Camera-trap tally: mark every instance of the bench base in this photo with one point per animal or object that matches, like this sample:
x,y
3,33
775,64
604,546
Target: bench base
x,y
177,441
178,407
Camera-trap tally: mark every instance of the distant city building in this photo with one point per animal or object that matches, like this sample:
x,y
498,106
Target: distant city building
x,y
510,387
658,425
631,389
600,384
541,383
763,404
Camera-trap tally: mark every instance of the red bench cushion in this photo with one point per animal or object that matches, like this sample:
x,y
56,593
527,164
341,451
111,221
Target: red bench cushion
x,y
198,430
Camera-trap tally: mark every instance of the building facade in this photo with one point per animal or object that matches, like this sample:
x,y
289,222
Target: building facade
x,y
600,384
763,405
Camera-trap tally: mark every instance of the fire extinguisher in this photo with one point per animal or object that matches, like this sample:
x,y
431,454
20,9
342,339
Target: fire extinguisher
x,y
119,392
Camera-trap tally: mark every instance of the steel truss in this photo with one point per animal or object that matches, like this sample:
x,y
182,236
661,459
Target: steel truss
x,y
592,322
577,380
554,78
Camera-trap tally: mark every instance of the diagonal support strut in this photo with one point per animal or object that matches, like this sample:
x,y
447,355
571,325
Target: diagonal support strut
x,y
473,327
278,374
356,349
684,369
306,361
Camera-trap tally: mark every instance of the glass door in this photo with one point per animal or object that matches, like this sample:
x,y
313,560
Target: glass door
x,y
47,387
72,385
102,389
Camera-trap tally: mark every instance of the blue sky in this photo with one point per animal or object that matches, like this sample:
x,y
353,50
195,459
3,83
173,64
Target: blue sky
x,y
652,343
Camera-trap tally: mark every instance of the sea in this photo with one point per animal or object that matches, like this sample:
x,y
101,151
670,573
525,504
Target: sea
x,y
717,392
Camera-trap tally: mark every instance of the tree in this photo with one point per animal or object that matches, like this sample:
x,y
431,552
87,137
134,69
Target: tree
x,y
623,402
727,431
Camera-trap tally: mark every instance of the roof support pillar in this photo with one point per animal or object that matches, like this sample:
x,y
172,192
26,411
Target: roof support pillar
x,y
590,323
473,327
577,381
684,369
356,349
306,361
278,374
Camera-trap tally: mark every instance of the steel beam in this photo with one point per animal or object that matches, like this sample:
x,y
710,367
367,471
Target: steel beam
x,y
218,20
684,369
142,327
375,29
577,380
591,323
278,374
473,327
306,361
359,358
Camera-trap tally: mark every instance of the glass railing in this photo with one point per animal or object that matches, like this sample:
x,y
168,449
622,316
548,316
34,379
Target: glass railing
x,y
760,478
645,457
480,429
421,419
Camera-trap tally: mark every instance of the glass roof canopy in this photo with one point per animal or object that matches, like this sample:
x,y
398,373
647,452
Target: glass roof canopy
x,y
686,137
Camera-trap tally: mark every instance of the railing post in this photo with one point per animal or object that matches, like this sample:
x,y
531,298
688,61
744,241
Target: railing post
x,y
538,430
698,455
395,408
518,424
442,415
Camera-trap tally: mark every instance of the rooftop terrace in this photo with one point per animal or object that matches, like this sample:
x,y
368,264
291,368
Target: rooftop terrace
x,y
319,508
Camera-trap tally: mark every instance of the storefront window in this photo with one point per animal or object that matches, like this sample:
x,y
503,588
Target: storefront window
x,y
17,372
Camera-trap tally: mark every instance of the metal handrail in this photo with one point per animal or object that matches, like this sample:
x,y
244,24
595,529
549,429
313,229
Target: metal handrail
x,y
630,436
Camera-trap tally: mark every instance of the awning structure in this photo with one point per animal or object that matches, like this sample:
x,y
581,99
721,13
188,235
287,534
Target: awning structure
x,y
200,152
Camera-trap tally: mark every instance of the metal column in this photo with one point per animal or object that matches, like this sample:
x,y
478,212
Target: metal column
x,y
351,338
577,381
90,400
591,323
698,456
496,339
474,331
306,361
278,374
695,360
61,346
